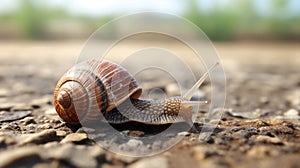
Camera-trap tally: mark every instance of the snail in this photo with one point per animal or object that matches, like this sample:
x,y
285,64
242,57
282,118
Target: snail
x,y
94,87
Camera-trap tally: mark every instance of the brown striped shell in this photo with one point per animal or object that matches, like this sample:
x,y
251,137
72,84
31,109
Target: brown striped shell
x,y
92,87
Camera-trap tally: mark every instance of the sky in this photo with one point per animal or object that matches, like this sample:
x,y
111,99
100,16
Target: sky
x,y
98,8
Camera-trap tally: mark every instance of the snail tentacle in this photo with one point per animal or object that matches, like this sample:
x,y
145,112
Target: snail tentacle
x,y
188,95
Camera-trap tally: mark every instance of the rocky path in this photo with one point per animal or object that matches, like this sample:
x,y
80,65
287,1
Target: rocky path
x,y
260,125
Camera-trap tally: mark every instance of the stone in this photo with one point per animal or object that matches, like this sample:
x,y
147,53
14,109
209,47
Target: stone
x,y
61,133
262,151
39,138
44,126
184,133
10,126
131,145
12,116
120,158
28,120
22,107
152,162
267,139
76,156
134,143
75,138
97,152
245,115
7,106
198,152
291,113
24,156
6,141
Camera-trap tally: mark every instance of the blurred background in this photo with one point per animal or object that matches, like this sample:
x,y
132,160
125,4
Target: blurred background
x,y
221,20
257,40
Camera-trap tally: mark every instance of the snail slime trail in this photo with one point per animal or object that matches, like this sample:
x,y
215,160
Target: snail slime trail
x,y
83,93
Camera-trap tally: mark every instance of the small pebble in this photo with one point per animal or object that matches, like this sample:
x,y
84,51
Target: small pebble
x,y
262,151
291,113
45,126
23,107
134,143
75,138
61,133
153,162
6,141
184,133
74,155
19,156
28,120
10,126
267,139
12,116
6,106
39,138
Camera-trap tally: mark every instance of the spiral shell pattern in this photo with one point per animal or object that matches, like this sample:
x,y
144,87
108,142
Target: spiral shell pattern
x,y
92,87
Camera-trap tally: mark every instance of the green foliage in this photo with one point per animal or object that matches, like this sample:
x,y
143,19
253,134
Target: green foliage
x,y
218,24
221,22
241,16
29,19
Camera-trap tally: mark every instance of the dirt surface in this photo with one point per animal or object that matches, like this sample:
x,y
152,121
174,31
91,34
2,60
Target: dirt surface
x,y
260,126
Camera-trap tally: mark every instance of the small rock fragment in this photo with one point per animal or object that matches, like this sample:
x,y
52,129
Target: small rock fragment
x,y
6,106
134,143
20,156
44,126
154,162
262,151
12,116
75,137
22,107
97,152
28,120
76,156
291,113
6,141
267,139
61,133
184,133
39,138
245,115
10,126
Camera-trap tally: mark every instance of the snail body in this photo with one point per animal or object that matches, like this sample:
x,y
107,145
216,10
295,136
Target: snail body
x,y
95,87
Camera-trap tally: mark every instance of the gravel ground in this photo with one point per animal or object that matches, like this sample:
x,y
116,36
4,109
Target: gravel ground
x,y
260,126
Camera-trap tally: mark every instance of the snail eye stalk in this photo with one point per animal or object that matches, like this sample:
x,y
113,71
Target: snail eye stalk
x,y
188,95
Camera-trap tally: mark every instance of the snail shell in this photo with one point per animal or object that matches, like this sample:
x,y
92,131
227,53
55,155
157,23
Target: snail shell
x,y
94,87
